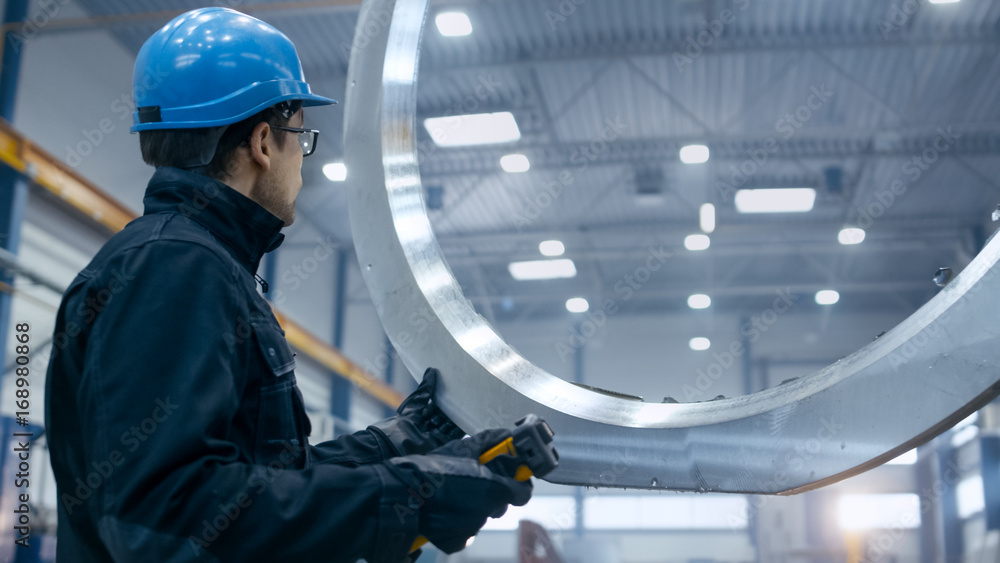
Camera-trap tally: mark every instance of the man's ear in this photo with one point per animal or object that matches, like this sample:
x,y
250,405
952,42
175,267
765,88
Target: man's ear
x,y
261,140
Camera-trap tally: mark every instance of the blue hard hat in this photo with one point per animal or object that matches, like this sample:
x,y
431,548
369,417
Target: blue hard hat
x,y
212,67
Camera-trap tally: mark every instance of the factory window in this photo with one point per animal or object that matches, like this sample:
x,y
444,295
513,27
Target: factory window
x,y
554,513
688,512
876,512
971,499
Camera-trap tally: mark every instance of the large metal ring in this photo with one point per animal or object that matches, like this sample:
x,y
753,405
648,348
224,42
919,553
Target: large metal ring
x,y
902,390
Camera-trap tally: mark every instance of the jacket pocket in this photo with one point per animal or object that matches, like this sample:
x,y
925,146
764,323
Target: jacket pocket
x,y
282,425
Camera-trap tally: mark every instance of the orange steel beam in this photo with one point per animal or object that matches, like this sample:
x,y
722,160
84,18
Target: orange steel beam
x,y
333,359
47,171
96,21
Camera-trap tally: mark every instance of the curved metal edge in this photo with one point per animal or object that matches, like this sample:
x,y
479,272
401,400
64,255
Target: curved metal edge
x,y
761,443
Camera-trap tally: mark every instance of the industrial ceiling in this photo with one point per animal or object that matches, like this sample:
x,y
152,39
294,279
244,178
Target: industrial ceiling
x,y
848,97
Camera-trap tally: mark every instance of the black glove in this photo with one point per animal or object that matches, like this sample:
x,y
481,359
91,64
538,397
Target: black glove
x,y
475,446
419,425
451,497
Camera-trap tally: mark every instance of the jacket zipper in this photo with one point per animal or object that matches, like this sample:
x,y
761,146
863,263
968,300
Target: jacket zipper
x,y
263,284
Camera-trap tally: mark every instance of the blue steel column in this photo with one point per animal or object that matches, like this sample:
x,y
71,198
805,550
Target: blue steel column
x,y
931,530
753,520
340,399
390,366
950,521
748,386
989,448
13,186
13,200
578,358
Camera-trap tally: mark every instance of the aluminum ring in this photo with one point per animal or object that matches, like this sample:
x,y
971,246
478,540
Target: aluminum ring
x,y
908,386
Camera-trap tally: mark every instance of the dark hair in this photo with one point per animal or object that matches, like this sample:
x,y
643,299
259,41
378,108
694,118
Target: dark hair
x,y
180,147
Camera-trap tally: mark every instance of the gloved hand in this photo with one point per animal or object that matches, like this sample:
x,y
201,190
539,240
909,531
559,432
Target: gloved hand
x,y
476,445
419,425
418,428
452,496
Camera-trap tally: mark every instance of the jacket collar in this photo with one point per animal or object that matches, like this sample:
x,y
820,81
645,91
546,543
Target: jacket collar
x,y
249,230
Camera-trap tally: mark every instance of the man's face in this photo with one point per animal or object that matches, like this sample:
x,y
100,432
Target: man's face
x,y
277,189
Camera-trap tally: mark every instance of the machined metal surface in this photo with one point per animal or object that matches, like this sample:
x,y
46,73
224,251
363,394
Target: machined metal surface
x,y
900,391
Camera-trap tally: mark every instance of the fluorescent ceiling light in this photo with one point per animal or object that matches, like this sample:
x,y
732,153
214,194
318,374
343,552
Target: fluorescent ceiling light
x,y
851,235
694,154
827,297
706,218
453,24
784,200
700,344
514,163
335,171
542,269
577,305
552,248
697,242
943,1
473,129
699,301
909,458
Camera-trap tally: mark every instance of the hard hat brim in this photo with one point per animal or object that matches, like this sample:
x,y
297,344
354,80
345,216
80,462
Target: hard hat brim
x,y
257,97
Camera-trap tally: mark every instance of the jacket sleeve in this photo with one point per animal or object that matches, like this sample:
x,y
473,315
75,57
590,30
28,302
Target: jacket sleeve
x,y
161,391
351,450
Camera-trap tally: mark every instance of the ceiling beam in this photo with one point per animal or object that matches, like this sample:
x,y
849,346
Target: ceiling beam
x,y
585,255
819,144
680,291
756,43
806,229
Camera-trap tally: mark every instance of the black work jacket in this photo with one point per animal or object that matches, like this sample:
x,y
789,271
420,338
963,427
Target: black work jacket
x,y
175,426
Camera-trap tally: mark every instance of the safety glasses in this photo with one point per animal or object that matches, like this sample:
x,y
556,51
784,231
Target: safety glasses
x,y
307,138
